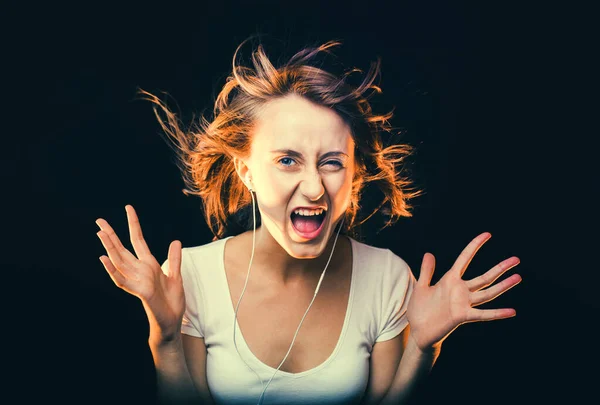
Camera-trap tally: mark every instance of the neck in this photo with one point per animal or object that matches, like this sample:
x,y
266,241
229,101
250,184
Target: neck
x,y
280,268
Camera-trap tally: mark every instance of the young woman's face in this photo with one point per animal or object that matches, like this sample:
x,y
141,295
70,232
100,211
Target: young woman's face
x,y
302,155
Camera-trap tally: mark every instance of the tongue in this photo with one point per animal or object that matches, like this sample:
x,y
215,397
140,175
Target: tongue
x,y
306,224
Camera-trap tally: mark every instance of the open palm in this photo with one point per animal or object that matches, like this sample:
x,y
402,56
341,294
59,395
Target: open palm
x,y
435,311
161,293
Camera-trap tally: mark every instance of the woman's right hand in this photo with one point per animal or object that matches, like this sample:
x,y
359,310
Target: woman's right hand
x,y
161,294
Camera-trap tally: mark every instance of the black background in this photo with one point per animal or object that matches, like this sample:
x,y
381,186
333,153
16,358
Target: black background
x,y
483,92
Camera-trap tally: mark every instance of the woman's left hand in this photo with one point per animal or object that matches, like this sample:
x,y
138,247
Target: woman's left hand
x,y
435,311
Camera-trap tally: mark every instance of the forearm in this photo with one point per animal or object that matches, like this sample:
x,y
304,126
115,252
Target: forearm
x,y
414,367
173,381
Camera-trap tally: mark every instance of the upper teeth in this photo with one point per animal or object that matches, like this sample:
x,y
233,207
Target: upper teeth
x,y
309,212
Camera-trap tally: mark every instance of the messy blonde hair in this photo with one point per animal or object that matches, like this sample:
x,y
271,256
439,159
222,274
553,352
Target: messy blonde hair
x,y
205,151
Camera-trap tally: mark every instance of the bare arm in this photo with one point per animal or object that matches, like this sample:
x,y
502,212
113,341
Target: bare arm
x,y
396,369
436,311
195,355
413,369
385,358
173,382
162,296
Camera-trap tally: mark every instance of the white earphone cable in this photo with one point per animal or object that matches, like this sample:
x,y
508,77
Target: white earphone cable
x,y
244,289
305,313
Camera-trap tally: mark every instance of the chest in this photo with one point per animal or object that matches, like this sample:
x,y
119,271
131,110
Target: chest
x,y
268,320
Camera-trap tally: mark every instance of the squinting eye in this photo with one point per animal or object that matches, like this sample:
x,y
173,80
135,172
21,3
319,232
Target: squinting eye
x,y
289,159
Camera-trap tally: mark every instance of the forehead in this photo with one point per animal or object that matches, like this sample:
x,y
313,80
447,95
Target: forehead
x,y
297,123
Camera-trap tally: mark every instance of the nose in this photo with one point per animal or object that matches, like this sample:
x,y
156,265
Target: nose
x,y
312,186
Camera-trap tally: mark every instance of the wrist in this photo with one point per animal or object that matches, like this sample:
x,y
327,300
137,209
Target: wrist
x,y
427,350
160,342
161,332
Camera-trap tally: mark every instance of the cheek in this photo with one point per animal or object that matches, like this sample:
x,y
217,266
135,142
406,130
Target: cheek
x,y
276,190
340,190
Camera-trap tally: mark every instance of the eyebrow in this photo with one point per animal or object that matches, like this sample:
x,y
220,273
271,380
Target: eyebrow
x,y
298,154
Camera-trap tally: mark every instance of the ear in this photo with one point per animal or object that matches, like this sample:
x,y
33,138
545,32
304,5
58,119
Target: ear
x,y
243,171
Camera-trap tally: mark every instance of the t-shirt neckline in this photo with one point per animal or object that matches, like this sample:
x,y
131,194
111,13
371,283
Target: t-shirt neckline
x,y
239,334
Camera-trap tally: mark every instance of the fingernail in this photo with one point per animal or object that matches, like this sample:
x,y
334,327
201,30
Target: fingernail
x,y
98,223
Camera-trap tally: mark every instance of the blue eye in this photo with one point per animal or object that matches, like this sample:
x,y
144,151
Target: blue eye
x,y
285,158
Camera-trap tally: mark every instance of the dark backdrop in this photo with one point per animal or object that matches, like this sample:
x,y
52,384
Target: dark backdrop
x,y
478,89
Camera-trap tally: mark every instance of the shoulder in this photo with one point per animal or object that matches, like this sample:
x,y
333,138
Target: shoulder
x,y
201,256
368,254
379,257
382,268
202,250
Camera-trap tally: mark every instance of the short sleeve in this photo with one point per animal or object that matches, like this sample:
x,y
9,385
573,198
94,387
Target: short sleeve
x,y
398,284
191,323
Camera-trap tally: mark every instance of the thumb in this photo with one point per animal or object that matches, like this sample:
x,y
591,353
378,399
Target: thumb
x,y
175,259
427,268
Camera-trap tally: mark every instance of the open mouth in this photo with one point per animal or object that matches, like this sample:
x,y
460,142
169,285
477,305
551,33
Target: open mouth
x,y
308,226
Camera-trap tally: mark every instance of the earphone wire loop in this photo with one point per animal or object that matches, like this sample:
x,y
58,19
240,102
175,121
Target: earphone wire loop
x,y
305,313
244,289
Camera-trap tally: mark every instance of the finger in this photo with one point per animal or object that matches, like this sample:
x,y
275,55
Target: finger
x,y
492,275
109,231
478,315
175,259
135,232
114,254
117,277
463,260
427,269
483,296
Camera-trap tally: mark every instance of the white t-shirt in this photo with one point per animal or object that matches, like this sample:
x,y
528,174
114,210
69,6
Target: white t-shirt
x,y
380,288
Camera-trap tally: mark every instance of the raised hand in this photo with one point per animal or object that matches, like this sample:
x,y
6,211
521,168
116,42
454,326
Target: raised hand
x,y
161,294
435,311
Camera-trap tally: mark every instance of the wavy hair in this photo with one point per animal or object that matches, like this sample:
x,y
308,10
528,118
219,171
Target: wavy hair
x,y
206,149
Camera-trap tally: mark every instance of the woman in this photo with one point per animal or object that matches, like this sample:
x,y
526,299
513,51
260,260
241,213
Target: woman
x,y
324,319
